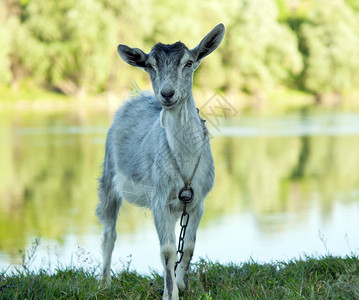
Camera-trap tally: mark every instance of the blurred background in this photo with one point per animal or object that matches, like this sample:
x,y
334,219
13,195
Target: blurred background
x,y
286,153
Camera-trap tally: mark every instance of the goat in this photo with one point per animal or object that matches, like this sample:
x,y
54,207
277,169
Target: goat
x,y
154,144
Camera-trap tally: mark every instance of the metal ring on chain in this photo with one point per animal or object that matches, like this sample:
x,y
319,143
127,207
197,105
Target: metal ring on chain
x,y
183,198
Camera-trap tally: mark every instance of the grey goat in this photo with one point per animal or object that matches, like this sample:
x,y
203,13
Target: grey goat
x,y
156,145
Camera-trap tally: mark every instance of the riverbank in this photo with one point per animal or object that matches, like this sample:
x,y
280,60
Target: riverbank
x,y
326,277
30,98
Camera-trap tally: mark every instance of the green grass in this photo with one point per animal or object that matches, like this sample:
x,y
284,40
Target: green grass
x,y
326,277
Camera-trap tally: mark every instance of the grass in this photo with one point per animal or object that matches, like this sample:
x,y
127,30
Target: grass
x,y
326,277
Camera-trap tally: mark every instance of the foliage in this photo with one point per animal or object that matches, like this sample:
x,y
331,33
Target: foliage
x,y
66,43
70,46
5,73
353,4
331,37
310,278
259,52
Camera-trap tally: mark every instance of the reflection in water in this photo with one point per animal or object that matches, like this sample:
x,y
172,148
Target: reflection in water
x,y
278,181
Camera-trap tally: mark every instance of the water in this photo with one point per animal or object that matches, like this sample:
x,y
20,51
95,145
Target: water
x,y
285,187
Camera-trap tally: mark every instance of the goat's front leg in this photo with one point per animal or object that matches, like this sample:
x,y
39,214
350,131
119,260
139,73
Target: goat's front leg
x,y
165,225
189,243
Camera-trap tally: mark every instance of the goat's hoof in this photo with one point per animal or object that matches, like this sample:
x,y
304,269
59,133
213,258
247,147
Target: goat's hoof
x,y
182,280
106,280
181,284
174,297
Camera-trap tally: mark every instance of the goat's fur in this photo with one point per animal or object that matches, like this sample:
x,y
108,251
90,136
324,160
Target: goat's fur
x,y
138,165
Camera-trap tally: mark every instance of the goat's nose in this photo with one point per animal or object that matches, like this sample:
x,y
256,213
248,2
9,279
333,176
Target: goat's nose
x,y
167,93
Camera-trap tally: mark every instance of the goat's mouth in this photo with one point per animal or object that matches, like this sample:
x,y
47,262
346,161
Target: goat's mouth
x,y
169,105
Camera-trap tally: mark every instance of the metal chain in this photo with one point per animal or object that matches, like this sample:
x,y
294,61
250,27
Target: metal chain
x,y
185,199
186,181
183,224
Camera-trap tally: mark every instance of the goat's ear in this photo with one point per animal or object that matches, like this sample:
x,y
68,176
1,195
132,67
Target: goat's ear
x,y
209,43
133,56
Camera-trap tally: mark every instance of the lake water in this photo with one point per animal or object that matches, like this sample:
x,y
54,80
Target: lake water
x,y
285,187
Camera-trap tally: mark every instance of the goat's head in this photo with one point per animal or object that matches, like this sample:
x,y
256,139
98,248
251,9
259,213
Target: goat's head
x,y
171,67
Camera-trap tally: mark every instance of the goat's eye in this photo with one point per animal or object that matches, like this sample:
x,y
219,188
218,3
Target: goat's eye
x,y
189,64
149,67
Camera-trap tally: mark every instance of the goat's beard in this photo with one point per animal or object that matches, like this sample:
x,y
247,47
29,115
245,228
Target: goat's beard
x,y
183,115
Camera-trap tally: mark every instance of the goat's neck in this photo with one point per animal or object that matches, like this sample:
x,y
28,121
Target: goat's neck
x,y
184,129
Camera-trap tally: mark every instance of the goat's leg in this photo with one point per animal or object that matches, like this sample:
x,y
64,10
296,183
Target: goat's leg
x,y
107,212
165,225
109,238
189,243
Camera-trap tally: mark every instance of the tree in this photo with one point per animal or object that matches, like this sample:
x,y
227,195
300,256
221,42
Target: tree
x,y
5,74
330,35
68,44
259,51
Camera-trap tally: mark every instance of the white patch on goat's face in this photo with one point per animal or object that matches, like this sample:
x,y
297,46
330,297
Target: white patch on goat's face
x,y
171,71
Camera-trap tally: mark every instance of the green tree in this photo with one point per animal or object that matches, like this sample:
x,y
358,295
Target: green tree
x,y
71,46
8,19
354,4
259,51
5,74
330,36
